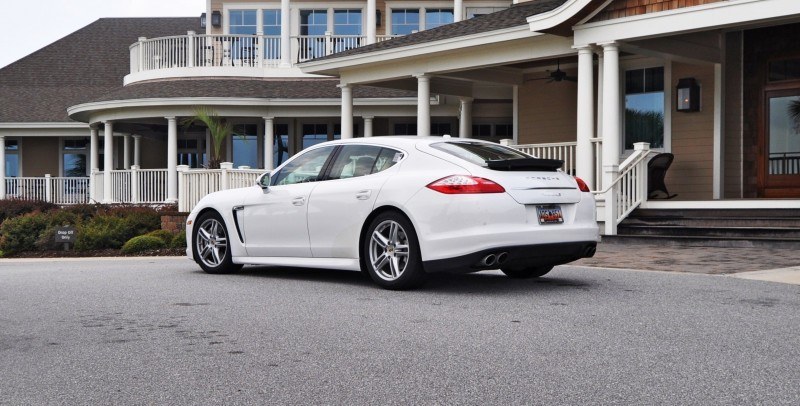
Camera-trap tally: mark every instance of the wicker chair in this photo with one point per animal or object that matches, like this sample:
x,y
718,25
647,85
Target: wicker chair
x,y
656,172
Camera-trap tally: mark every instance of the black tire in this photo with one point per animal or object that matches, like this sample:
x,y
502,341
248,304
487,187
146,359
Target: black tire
x,y
391,253
526,273
210,244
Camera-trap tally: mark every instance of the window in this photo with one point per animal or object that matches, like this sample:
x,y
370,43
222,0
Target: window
x,y
354,161
473,12
280,148
272,27
337,131
305,168
440,128
243,22
189,153
436,17
786,69
12,158
492,132
347,22
644,107
405,129
314,134
74,162
478,153
405,21
313,23
245,145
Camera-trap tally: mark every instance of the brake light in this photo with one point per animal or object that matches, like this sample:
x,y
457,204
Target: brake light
x,y
462,184
581,184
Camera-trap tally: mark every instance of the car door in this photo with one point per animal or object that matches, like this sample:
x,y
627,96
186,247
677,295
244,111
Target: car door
x,y
274,219
339,205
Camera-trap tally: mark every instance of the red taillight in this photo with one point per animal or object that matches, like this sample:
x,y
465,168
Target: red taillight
x,y
461,184
581,184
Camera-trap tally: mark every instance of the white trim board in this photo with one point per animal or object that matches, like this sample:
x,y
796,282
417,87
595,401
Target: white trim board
x,y
724,204
697,18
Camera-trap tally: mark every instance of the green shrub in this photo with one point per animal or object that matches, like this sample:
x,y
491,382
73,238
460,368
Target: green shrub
x,y
163,235
21,233
15,207
179,240
142,243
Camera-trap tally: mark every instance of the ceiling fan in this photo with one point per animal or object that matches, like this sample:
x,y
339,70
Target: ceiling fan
x,y
557,75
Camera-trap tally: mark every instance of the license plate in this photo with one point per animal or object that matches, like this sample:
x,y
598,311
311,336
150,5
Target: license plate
x,y
549,214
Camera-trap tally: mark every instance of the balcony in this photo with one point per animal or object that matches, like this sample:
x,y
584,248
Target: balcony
x,y
195,55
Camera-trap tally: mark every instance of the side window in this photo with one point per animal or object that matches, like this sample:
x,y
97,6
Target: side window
x,y
354,161
305,168
386,159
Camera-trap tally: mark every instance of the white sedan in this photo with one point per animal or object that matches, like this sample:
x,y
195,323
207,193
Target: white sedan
x,y
397,208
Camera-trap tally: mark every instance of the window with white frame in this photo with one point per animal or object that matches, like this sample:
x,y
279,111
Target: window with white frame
x,y
74,162
190,152
405,21
644,107
243,22
12,158
245,145
436,17
271,27
314,134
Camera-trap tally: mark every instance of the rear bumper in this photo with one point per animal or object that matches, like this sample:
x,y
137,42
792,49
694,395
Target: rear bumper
x,y
520,256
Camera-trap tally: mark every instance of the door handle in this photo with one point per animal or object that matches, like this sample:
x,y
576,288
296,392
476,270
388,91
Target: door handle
x,y
299,201
363,195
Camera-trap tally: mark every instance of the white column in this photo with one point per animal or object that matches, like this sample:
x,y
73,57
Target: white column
x,y
172,159
612,116
347,111
2,167
368,126
372,21
108,159
599,126
584,154
515,114
458,10
286,42
94,143
465,118
269,140
137,150
423,105
719,142
126,151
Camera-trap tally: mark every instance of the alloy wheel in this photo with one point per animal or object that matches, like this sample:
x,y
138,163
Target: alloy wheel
x,y
212,242
389,250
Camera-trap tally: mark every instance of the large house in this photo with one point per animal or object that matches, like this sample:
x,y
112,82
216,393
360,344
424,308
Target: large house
x,y
602,84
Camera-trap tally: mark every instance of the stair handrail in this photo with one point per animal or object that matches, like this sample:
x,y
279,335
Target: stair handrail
x,y
628,190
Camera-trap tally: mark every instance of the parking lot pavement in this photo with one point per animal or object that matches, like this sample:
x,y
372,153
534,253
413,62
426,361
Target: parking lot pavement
x,y
705,260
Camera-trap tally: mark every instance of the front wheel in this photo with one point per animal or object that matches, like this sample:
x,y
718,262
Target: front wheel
x,y
525,273
211,244
391,250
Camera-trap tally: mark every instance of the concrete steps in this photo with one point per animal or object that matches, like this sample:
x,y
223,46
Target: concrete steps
x,y
770,228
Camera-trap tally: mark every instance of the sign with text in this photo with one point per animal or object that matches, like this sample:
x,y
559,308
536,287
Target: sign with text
x,y
65,235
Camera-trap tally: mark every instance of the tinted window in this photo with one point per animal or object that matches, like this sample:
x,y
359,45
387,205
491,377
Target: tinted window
x,y
479,153
386,159
359,160
305,168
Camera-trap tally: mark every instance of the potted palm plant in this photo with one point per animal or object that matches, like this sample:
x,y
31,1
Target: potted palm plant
x,y
219,128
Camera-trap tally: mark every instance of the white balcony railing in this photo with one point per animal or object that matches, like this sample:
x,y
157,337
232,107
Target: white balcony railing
x,y
58,190
565,151
243,51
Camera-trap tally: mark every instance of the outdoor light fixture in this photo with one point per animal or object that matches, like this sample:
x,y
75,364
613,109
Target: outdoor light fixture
x,y
203,20
216,18
377,18
688,95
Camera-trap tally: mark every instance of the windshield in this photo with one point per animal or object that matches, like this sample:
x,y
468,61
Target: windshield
x,y
478,152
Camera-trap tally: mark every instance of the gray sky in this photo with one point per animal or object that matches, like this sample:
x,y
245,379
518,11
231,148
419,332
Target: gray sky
x,y
29,25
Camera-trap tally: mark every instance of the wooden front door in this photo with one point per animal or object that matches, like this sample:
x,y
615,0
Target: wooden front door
x,y
779,141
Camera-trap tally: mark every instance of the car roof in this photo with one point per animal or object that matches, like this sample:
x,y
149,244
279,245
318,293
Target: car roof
x,y
403,140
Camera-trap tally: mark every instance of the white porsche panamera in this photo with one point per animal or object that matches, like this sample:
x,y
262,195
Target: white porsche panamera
x,y
397,208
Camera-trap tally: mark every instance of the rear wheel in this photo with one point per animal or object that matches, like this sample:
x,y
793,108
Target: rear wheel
x,y
211,246
525,273
391,251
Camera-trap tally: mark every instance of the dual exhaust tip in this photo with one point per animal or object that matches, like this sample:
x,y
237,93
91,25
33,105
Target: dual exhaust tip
x,y
493,259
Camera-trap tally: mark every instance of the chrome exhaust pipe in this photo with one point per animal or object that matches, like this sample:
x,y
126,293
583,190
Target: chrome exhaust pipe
x,y
502,257
489,260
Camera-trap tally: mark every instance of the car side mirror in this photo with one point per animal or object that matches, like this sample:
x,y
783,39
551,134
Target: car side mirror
x,y
263,181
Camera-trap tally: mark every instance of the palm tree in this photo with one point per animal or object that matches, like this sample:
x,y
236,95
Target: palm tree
x,y
219,128
794,112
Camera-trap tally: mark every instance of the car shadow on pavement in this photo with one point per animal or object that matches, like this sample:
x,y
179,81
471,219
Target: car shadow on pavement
x,y
470,283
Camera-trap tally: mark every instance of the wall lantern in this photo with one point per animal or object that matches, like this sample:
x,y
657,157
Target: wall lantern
x,y
688,95
216,18
377,18
203,20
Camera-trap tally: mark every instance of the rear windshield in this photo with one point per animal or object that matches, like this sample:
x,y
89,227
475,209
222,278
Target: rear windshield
x,y
478,153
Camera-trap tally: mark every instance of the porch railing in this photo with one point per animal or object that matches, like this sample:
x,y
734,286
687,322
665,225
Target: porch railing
x,y
566,151
58,190
194,184
133,185
259,51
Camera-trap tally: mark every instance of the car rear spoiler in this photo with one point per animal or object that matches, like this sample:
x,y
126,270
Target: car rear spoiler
x,y
525,164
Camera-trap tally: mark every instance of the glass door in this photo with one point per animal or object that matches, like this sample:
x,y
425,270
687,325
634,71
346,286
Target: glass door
x,y
780,161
